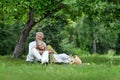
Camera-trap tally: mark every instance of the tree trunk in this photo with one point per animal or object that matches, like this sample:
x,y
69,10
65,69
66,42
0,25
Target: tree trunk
x,y
94,44
19,46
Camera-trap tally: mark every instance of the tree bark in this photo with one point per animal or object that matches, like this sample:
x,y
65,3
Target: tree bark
x,y
94,44
23,36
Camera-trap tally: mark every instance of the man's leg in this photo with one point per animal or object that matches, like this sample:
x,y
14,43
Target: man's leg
x,y
65,58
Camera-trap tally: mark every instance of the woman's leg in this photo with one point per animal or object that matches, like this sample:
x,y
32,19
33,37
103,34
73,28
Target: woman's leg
x,y
45,57
36,54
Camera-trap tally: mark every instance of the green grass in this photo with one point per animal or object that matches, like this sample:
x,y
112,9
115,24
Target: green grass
x,y
100,68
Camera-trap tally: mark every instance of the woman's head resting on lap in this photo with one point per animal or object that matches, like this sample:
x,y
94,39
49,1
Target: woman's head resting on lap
x,y
40,45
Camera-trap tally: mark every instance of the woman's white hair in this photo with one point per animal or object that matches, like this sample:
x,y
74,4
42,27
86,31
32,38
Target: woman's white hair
x,y
40,42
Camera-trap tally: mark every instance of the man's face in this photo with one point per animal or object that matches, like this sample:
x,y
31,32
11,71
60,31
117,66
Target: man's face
x,y
39,37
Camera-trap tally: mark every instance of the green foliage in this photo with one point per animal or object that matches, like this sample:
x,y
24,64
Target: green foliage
x,y
69,30
66,46
9,36
111,53
94,18
69,48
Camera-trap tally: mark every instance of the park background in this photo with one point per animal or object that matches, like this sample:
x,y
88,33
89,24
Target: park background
x,y
88,28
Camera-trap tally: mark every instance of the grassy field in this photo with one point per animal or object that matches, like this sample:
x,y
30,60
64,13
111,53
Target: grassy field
x,y
99,68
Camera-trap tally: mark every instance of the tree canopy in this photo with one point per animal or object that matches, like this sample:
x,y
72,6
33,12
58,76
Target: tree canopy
x,y
72,26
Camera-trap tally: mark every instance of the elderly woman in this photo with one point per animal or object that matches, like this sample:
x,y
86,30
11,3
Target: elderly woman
x,y
39,53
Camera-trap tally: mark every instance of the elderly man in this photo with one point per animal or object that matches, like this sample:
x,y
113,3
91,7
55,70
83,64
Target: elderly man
x,y
33,52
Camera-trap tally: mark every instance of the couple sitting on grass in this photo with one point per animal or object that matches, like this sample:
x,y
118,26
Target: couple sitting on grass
x,y
45,54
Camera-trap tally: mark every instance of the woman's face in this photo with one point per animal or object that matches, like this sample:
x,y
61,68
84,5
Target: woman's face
x,y
41,46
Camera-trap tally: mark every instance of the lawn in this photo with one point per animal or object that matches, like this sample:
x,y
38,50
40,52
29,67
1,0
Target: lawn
x,y
99,68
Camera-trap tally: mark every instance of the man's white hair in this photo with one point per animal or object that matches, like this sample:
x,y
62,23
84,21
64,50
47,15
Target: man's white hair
x,y
41,33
